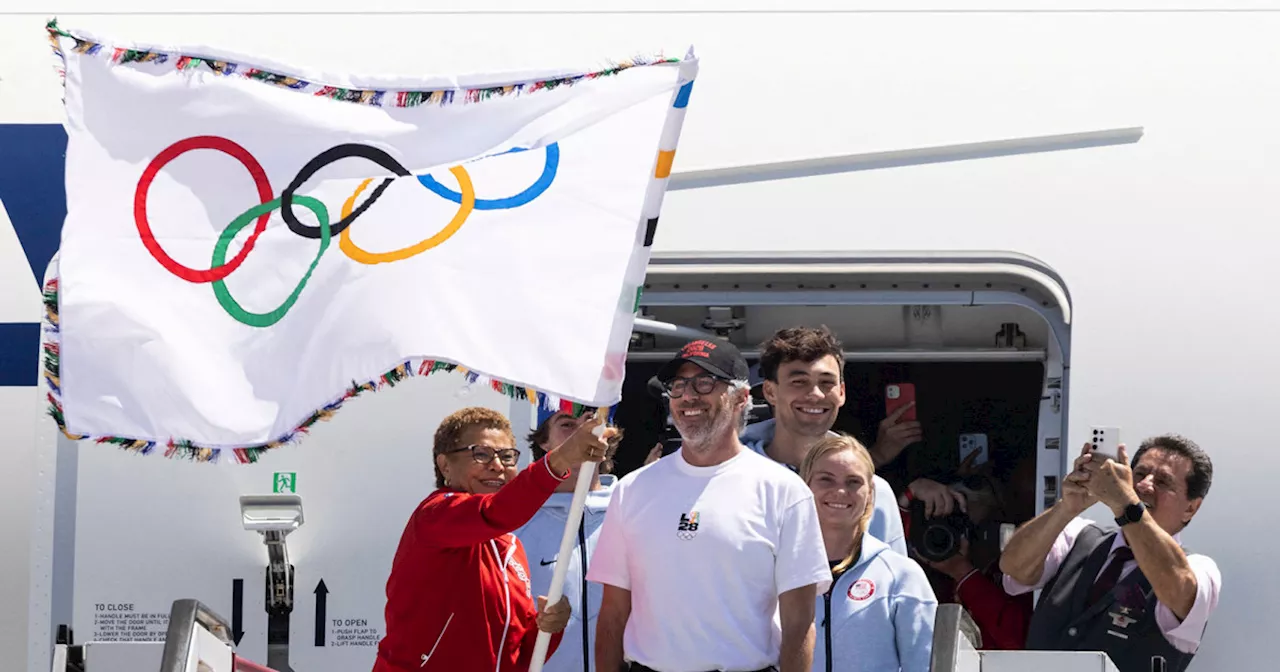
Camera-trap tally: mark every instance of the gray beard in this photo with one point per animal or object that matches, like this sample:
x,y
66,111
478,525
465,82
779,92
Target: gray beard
x,y
703,439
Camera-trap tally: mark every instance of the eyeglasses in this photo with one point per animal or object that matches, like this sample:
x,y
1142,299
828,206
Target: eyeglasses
x,y
485,454
702,384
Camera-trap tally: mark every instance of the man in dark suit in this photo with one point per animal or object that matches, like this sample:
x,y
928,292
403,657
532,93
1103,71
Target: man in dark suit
x,y
1134,592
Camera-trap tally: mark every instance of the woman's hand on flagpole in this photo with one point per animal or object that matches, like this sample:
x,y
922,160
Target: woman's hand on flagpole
x,y
581,446
555,619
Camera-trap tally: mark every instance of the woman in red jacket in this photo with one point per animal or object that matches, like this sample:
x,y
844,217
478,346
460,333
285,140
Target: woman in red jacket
x,y
459,597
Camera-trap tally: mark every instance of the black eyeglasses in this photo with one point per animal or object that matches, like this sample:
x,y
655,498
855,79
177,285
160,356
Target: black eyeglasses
x,y
702,384
485,454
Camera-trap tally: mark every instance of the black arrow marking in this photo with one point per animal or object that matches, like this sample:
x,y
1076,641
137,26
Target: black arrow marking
x,y
322,599
237,610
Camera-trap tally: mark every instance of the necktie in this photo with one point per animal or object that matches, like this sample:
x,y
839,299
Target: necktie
x,y
1109,576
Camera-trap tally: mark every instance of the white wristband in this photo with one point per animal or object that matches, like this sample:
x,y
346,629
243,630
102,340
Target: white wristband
x,y
554,475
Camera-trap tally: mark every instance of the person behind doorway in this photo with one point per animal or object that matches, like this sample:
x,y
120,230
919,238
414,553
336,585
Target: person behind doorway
x,y
542,534
878,614
971,577
1133,593
803,371
711,557
458,597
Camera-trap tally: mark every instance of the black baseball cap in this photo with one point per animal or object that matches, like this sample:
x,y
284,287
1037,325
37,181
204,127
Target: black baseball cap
x,y
719,358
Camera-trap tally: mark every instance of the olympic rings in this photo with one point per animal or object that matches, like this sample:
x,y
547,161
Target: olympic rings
x,y
228,303
220,267
144,186
535,190
464,210
323,159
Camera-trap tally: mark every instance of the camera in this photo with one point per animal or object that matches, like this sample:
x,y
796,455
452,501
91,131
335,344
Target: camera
x,y
936,539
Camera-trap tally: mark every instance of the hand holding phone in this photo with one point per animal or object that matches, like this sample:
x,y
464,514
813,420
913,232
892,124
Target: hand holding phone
x,y
898,395
973,450
1106,442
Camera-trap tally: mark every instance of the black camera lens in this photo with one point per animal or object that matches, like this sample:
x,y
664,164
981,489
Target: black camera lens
x,y
936,539
939,541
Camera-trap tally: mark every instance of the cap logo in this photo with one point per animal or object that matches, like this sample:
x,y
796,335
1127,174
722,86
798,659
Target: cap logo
x,y
698,349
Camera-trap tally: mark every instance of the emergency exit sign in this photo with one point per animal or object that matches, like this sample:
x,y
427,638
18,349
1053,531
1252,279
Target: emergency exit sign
x,y
285,481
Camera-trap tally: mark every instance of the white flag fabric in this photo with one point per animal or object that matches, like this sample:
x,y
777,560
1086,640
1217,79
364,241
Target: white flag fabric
x,y
247,245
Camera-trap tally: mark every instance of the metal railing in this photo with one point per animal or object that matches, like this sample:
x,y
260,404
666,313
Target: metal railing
x,y
184,617
956,640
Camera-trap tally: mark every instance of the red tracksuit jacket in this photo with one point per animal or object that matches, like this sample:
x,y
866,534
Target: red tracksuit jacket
x,y
459,598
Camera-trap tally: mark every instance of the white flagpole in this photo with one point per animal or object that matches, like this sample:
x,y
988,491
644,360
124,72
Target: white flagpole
x,y
652,206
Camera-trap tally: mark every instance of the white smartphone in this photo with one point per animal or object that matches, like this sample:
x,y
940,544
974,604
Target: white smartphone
x,y
971,442
1106,442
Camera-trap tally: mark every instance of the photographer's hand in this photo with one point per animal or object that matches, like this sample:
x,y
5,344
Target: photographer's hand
x,y
939,500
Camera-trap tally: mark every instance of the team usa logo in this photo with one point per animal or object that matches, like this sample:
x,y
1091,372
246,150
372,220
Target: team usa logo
x,y
688,527
862,589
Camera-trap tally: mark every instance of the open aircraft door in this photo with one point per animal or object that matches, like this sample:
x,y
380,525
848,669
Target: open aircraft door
x,y
991,322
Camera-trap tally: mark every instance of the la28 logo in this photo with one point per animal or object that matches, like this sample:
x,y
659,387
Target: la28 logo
x,y
688,527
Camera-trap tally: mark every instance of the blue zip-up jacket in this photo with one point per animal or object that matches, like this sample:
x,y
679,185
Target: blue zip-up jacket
x,y
877,617
541,539
886,521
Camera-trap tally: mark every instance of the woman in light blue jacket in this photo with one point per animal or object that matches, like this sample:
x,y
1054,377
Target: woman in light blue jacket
x,y
541,538
878,614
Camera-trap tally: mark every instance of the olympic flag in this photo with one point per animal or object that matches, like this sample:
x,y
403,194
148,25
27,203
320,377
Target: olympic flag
x,y
247,245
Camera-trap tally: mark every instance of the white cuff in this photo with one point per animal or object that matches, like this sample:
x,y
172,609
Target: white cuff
x,y
554,475
956,590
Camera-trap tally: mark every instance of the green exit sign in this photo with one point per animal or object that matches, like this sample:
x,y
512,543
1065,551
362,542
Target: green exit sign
x,y
285,481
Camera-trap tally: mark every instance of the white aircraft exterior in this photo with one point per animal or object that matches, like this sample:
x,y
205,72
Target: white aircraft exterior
x,y
1102,174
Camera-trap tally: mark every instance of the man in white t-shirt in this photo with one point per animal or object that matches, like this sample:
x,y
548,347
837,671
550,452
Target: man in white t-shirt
x,y
711,558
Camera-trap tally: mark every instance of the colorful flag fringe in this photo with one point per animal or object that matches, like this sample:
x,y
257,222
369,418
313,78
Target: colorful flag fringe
x,y
377,98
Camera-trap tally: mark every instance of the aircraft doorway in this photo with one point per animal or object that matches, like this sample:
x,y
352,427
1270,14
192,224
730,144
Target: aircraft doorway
x,y
984,340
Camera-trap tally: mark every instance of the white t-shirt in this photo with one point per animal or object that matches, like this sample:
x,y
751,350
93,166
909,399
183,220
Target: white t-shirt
x,y
705,552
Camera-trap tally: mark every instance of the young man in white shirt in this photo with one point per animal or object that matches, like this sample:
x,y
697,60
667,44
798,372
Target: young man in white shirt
x,y
711,558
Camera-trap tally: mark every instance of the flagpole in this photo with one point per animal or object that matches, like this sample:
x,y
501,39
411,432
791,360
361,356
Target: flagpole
x,y
648,221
